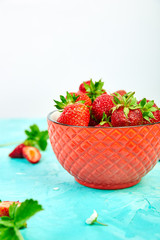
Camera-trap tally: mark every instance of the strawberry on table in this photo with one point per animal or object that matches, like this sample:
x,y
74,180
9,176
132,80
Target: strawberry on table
x,y
126,111
32,154
17,152
14,216
102,104
36,139
4,207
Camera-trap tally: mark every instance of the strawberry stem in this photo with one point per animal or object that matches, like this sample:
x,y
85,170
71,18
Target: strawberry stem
x,y
9,144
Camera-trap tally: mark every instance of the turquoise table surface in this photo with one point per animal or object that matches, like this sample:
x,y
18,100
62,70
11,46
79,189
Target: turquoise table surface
x,y
132,213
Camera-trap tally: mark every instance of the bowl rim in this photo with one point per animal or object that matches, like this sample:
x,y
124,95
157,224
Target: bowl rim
x,y
62,124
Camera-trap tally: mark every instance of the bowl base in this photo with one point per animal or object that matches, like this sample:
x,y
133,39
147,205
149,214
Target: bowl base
x,y
108,186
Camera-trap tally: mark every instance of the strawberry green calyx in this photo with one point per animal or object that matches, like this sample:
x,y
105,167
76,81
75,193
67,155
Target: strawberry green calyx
x,y
147,108
127,101
70,99
36,138
105,119
94,89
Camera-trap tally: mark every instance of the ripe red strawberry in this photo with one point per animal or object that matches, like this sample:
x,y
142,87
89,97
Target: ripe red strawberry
x,y
126,111
82,87
32,154
154,105
93,90
121,92
4,207
82,97
103,103
92,121
104,125
133,118
76,114
17,152
150,111
156,118
105,122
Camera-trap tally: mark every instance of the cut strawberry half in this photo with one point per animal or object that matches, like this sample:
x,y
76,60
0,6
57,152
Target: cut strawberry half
x,y
32,154
17,152
4,207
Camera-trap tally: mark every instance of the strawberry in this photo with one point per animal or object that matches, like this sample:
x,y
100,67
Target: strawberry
x,y
17,152
82,97
4,207
76,114
82,87
104,125
154,105
102,104
150,111
105,122
126,111
133,118
93,121
93,90
121,92
156,118
32,154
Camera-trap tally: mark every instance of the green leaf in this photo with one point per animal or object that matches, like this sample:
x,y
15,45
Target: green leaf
x,y
147,118
27,133
12,209
10,234
34,129
150,115
42,144
149,104
94,89
92,85
5,218
153,109
126,111
18,234
36,138
143,102
116,99
63,99
113,109
87,87
133,101
6,223
26,210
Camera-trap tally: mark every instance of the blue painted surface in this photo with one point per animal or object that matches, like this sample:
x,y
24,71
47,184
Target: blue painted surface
x,y
132,213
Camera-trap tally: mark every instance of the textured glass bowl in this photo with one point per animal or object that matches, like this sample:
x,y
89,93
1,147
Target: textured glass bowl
x,y
105,158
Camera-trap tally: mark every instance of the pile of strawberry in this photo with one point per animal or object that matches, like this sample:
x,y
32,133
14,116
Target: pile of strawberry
x,y
93,106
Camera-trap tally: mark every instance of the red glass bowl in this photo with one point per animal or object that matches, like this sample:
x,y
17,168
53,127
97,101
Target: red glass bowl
x,y
106,157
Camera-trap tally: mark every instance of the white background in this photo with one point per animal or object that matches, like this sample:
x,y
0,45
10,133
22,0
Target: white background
x,y
50,46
